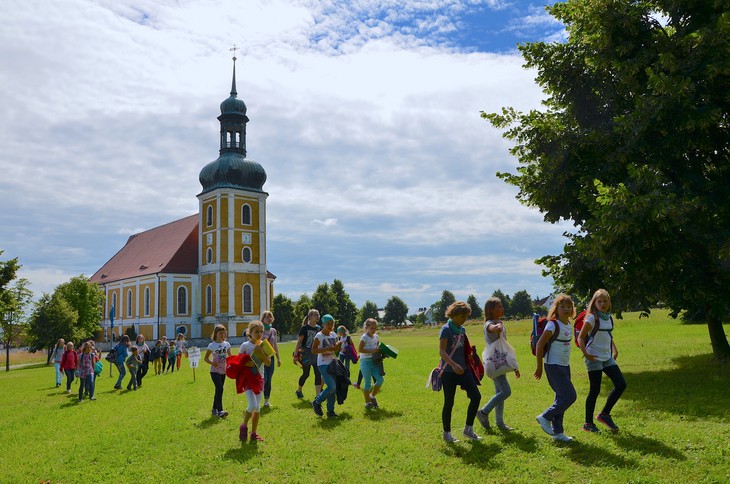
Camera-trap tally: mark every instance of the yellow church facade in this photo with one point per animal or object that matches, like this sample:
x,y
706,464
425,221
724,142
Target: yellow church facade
x,y
205,269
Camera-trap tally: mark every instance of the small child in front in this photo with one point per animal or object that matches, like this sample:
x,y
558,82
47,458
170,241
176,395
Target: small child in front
x,y
133,363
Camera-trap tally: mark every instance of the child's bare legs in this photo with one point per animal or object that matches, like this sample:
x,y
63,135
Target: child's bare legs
x,y
254,422
376,389
366,393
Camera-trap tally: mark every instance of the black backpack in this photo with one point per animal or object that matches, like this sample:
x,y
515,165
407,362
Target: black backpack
x,y
111,357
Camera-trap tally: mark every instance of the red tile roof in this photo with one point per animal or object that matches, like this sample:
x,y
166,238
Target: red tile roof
x,y
169,248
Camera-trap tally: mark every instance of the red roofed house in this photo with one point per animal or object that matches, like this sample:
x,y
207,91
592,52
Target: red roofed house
x,y
204,269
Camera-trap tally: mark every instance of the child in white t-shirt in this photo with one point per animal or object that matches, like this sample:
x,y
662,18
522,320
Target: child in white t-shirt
x,y
369,345
218,350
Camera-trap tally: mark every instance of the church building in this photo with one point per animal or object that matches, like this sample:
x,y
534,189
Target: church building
x,y
210,268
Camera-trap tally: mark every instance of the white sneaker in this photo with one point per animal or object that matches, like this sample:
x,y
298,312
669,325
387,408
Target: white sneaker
x,y
470,434
545,424
561,437
450,438
267,404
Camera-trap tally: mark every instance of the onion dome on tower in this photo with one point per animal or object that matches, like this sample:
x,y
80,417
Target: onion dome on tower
x,y
232,169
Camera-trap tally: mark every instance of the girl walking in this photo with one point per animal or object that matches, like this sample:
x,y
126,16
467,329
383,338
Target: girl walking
x,y
164,352
369,344
133,363
303,352
325,345
86,372
493,331
122,353
270,334
57,356
144,354
599,353
452,348
181,348
253,386
219,349
69,361
554,347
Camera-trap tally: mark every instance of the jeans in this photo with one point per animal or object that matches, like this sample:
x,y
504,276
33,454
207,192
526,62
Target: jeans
x,y
450,381
595,377
345,360
143,368
218,380
268,375
370,371
132,379
70,374
329,392
122,374
86,383
59,375
502,391
559,378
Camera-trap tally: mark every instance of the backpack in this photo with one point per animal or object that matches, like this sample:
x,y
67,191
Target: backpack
x,y
578,325
154,353
98,368
538,327
111,357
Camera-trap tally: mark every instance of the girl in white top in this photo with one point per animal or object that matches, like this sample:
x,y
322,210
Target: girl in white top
x,y
369,344
599,353
180,347
556,353
325,345
219,349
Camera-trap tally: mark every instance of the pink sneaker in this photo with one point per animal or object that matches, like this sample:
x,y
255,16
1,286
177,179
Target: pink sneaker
x,y
242,433
256,437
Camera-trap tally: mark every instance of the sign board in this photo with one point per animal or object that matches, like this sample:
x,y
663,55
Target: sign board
x,y
194,356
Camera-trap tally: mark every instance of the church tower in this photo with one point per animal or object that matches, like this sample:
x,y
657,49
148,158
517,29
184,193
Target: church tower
x,y
234,287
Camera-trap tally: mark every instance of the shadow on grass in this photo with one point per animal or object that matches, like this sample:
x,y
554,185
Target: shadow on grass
x,y
646,445
208,422
381,414
589,455
332,423
515,439
475,453
242,454
699,387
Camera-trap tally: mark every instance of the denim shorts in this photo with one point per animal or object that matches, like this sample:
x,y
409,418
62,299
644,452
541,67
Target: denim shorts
x,y
599,365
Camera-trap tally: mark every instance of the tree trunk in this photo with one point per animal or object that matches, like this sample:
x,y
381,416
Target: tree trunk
x,y
50,354
720,346
7,357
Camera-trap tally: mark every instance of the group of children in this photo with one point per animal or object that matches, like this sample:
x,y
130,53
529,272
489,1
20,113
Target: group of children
x,y
82,363
553,348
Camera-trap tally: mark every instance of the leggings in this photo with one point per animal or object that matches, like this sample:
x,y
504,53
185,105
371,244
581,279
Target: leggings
x,y
268,376
143,368
450,381
254,401
619,385
305,375
70,374
164,361
218,380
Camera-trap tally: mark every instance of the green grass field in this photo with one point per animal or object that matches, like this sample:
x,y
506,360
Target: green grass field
x,y
674,418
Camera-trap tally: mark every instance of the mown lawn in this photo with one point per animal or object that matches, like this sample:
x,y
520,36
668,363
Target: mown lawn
x,y
674,416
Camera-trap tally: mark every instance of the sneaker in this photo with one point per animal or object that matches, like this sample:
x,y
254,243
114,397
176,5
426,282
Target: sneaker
x,y
222,414
242,433
450,438
356,385
483,419
332,415
561,437
470,434
369,405
317,407
81,400
214,413
68,391
256,437
504,427
267,404
374,401
117,387
545,424
58,385
92,398
299,394
606,420
590,427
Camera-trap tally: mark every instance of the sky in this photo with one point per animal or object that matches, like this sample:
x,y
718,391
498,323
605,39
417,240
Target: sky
x,y
365,115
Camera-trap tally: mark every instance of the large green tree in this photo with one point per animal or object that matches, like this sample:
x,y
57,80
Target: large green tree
x,y
87,299
396,311
438,309
633,146
52,318
283,310
345,309
323,300
13,302
521,305
368,310
301,308
506,301
476,310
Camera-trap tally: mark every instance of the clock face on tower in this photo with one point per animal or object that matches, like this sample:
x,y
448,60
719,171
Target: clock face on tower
x,y
246,237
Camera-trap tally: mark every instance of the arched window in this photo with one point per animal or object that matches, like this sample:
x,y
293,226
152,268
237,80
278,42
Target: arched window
x,y
146,301
246,256
209,216
129,303
246,214
182,300
209,256
208,300
114,302
247,298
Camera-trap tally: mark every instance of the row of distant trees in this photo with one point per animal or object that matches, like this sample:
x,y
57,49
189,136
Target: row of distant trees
x,y
70,312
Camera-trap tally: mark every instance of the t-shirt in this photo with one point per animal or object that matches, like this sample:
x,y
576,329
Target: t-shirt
x,y
490,337
326,341
142,350
248,348
453,340
58,354
218,355
600,345
370,344
559,353
180,345
309,332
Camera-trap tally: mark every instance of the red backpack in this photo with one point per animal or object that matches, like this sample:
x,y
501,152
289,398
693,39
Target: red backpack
x,y
538,327
578,325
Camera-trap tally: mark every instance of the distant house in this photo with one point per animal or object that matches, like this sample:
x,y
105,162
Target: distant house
x,y
427,315
547,302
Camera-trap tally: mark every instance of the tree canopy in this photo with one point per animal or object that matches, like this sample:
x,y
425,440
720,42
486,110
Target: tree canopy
x,y
368,310
283,310
396,311
438,308
476,310
633,146
13,301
